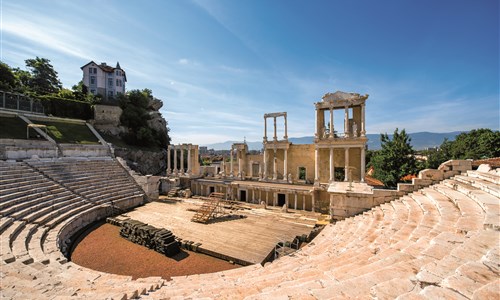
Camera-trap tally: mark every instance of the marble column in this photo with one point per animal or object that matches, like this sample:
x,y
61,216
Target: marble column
x,y
316,165
363,164
286,129
238,155
295,202
332,170
346,122
363,131
265,129
265,165
275,133
175,160
182,158
231,163
331,122
189,159
169,166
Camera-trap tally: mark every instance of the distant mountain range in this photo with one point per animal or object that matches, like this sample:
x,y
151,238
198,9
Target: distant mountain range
x,y
419,141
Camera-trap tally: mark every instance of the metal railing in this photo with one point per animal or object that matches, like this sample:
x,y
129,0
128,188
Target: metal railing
x,y
16,101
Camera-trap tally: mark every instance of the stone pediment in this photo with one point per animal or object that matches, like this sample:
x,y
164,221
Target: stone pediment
x,y
343,96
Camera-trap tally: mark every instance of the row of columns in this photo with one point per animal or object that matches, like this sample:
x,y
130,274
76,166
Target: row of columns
x,y
332,165
346,122
261,194
181,148
275,164
274,116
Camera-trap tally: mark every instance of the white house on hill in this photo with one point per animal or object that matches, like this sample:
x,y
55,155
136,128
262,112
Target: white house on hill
x,y
104,80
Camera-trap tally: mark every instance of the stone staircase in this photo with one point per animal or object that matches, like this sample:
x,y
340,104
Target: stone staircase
x,y
441,241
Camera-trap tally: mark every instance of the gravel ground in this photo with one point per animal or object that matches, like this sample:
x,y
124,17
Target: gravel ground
x,y
103,249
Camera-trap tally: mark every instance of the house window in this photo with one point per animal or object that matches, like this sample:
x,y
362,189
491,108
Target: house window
x,y
92,91
118,82
302,173
110,94
117,73
92,80
92,70
110,81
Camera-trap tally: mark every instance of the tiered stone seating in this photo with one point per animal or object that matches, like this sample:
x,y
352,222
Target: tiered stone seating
x,y
34,212
100,181
438,242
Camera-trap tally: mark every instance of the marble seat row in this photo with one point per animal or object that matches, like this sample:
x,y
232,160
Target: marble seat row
x,y
432,243
438,242
31,231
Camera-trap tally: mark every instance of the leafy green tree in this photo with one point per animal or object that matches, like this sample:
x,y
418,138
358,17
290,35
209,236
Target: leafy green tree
x,y
135,116
476,144
8,80
43,80
23,78
395,160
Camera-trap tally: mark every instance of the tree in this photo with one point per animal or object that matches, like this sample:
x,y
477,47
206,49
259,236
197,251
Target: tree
x,y
8,81
135,116
395,160
475,144
43,80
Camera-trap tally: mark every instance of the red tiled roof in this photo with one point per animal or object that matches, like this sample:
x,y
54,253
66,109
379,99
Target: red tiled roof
x,y
373,181
494,162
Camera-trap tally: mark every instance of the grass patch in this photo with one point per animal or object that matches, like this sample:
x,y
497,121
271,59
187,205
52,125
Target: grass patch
x,y
71,133
15,128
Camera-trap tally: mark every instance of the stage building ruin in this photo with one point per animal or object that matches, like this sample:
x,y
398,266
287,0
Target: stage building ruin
x,y
327,176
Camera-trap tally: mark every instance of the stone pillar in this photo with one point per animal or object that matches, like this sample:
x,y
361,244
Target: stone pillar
x,y
316,165
331,122
189,159
285,165
313,200
303,202
332,165
182,158
238,155
275,166
286,129
346,122
275,199
363,164
363,131
265,129
275,133
231,163
295,202
346,167
169,167
175,160
316,120
265,165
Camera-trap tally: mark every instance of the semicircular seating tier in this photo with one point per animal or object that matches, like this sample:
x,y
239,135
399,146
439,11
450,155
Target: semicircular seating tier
x,y
438,242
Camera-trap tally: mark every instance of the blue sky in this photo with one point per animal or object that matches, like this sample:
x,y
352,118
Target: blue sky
x,y
219,66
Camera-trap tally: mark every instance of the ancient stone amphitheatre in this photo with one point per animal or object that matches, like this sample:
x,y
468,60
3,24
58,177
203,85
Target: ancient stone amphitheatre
x,y
437,238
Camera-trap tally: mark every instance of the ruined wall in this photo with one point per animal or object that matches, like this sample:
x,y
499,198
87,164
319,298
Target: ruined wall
x,y
300,156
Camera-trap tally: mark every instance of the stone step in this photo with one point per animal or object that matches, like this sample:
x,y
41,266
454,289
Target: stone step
x,y
6,239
